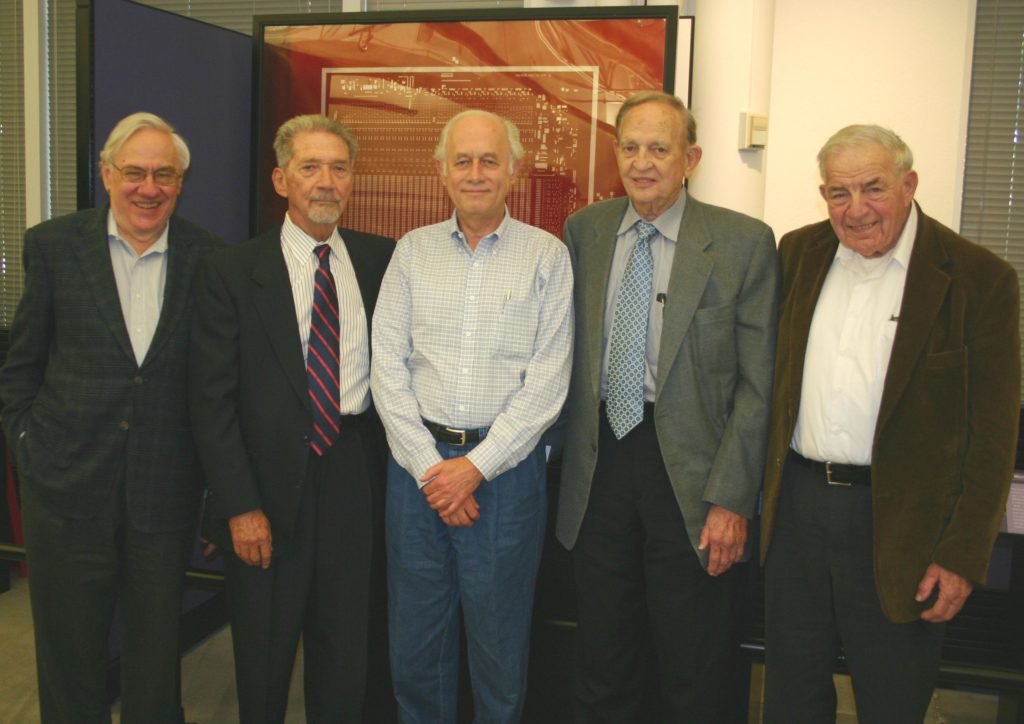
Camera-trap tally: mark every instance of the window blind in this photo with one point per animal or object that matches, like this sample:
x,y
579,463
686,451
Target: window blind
x,y
993,202
12,160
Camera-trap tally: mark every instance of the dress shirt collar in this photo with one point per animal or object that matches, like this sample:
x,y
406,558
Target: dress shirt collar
x,y
900,253
157,247
299,245
667,224
459,238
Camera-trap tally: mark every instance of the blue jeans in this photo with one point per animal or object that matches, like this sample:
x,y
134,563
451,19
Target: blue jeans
x,y
490,567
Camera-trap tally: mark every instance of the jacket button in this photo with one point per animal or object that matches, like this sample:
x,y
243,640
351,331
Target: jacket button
x,y
137,379
123,425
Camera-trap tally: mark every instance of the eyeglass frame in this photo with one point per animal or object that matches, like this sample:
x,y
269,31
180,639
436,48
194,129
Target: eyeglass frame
x,y
149,172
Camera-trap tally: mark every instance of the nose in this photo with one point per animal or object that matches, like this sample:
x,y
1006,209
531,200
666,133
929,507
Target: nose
x,y
149,185
642,159
475,169
323,175
857,204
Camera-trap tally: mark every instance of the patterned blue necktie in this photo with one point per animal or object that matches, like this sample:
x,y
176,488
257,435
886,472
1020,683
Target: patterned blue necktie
x,y
628,344
322,355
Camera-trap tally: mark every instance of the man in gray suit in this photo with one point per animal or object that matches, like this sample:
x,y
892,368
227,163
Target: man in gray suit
x,y
667,416
94,410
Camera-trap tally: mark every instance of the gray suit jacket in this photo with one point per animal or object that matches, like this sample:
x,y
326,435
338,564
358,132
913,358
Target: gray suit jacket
x,y
80,414
715,361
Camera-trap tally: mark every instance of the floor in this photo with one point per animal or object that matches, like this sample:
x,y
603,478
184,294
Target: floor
x,y
208,681
207,672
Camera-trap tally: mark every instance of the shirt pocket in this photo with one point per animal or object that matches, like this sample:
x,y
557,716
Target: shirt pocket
x,y
517,328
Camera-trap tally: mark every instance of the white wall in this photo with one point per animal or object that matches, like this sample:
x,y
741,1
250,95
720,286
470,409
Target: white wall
x,y
815,66
904,65
731,70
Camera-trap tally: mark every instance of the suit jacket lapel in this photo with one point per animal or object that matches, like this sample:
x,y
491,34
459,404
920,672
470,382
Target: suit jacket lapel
x,y
276,307
362,270
691,269
181,262
799,305
93,253
601,248
923,294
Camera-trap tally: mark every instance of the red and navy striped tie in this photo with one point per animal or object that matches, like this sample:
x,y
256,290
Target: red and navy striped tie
x,y
322,356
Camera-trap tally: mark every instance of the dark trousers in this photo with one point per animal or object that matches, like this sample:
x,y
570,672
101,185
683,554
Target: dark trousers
x,y
318,586
641,589
820,592
78,570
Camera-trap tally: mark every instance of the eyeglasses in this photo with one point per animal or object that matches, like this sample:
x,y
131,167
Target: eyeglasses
x,y
161,176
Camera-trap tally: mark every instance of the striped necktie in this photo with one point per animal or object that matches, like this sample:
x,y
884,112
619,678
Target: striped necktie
x,y
322,355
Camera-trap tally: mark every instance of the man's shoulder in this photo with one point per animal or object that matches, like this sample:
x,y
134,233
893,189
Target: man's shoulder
x,y
599,211
182,228
70,227
721,217
244,255
438,230
967,256
534,234
797,238
362,240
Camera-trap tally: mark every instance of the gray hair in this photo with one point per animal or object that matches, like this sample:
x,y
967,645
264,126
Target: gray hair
x,y
511,132
674,102
284,140
858,136
130,125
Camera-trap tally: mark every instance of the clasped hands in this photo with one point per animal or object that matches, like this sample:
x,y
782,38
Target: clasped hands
x,y
449,488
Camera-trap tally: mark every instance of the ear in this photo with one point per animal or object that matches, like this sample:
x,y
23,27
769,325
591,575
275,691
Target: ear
x,y
105,173
517,166
823,192
693,154
440,166
280,182
909,185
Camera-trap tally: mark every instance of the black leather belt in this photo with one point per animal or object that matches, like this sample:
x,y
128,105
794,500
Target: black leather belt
x,y
834,473
453,436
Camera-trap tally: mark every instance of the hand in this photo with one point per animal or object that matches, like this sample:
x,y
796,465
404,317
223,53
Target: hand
x,y
726,533
250,535
451,482
953,592
464,516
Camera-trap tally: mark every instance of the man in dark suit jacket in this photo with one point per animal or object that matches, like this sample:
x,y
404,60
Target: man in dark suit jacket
x,y
296,479
656,515
94,411
894,432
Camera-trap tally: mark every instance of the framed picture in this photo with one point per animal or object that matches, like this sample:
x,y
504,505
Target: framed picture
x,y
396,78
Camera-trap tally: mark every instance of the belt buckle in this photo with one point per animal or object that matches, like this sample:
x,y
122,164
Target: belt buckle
x,y
460,433
830,481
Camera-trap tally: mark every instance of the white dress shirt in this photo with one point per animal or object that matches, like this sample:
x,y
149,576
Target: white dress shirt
x,y
472,339
302,262
140,280
848,349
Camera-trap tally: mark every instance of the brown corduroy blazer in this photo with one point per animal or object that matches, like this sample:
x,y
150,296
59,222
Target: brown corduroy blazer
x,y
946,437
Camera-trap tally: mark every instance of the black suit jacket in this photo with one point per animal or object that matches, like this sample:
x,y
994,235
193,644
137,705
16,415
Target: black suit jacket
x,y
79,413
249,397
